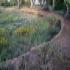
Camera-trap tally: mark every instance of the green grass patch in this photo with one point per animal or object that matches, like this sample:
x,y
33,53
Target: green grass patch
x,y
18,32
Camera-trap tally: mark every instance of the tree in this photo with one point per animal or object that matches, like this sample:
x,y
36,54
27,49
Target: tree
x,y
32,2
18,3
53,4
42,3
67,3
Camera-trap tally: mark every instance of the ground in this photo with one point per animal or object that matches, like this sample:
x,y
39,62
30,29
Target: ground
x,y
62,39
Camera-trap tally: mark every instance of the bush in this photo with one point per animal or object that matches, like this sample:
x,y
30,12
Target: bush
x,y
24,30
3,41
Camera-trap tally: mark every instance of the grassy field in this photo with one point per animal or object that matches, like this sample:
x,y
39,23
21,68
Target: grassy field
x,y
19,32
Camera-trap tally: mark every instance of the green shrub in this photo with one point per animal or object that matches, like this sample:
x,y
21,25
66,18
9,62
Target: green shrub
x,y
3,41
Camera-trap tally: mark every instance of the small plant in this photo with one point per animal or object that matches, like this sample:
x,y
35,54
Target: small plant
x,y
24,30
2,30
3,41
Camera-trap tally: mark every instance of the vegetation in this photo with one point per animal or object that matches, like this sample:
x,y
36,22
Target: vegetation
x,y
51,4
6,3
18,32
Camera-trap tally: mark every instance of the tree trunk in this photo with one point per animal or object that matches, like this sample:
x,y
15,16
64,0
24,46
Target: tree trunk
x,y
18,3
53,4
31,3
67,10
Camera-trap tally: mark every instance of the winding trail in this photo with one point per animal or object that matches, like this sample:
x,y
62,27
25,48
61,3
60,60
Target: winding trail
x,y
33,60
63,38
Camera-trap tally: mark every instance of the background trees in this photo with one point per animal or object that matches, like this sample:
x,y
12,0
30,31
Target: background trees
x,y
67,4
63,5
8,3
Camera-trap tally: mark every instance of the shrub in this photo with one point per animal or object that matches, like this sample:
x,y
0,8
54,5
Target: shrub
x,y
24,30
2,30
3,41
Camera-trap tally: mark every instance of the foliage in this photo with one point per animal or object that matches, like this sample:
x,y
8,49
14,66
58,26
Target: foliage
x,y
19,32
24,30
68,1
3,41
5,3
59,5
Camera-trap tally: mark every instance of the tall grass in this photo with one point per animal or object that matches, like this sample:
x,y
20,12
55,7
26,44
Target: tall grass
x,y
19,32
